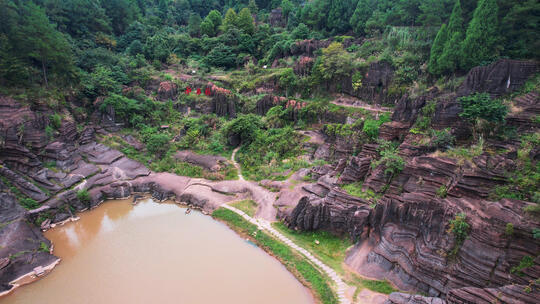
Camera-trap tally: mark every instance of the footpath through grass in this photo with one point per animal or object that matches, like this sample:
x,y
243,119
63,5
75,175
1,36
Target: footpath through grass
x,y
248,206
295,263
332,251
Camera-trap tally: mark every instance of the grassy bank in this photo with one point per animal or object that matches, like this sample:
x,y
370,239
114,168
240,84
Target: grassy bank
x,y
332,250
294,262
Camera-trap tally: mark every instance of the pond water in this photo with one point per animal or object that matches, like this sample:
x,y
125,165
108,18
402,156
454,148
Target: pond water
x,y
155,253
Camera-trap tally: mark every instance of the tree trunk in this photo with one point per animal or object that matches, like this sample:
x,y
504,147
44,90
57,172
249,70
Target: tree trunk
x,y
44,72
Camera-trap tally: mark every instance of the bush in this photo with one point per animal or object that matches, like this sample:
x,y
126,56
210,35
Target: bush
x,y
157,143
245,126
371,126
509,230
390,158
442,191
56,121
84,196
28,203
526,262
480,107
442,139
460,229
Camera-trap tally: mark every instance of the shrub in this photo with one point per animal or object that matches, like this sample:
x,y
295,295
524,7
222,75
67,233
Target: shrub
x,y
460,229
371,127
442,139
526,262
28,203
157,143
442,191
509,230
49,132
84,196
245,126
56,121
390,158
480,107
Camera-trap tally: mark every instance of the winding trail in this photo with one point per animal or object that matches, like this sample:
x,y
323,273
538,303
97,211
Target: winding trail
x,y
264,224
341,287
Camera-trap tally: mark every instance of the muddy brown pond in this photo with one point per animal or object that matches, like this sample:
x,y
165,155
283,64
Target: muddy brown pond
x,y
155,253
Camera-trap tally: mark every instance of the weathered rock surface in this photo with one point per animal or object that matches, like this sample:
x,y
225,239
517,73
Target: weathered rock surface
x,y
498,78
208,162
168,90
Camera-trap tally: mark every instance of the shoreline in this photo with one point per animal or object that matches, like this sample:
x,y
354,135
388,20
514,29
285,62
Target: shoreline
x,y
40,272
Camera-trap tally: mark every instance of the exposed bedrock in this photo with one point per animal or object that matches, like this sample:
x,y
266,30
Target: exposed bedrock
x,y
498,78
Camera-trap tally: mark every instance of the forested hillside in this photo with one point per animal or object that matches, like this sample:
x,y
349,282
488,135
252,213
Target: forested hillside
x,y
69,42
407,127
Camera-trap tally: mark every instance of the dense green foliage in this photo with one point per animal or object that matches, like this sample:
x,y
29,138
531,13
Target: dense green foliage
x,y
64,41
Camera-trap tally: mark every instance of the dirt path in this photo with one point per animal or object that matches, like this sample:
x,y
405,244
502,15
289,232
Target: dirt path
x,y
353,102
340,286
264,198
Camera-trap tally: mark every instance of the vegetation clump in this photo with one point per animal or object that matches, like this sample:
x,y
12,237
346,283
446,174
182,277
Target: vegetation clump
x,y
459,228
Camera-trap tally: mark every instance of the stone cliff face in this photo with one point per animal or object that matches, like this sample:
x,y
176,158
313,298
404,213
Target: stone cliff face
x,y
406,237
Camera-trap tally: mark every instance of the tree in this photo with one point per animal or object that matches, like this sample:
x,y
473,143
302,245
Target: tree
x,y
437,49
338,16
432,12
362,13
301,32
521,30
207,28
482,42
194,25
221,56
450,59
252,5
245,21
215,17
43,43
245,126
287,79
230,20
211,23
286,8
335,62
480,107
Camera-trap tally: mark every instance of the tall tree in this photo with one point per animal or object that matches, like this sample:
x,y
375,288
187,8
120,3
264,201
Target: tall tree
x,y
215,17
194,24
521,29
231,19
245,21
450,59
437,50
253,8
362,13
43,43
483,41
339,14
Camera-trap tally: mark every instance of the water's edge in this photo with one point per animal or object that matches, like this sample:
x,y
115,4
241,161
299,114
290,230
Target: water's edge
x,y
42,271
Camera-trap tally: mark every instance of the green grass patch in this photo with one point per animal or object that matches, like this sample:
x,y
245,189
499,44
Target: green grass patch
x,y
295,263
331,249
374,285
355,189
248,206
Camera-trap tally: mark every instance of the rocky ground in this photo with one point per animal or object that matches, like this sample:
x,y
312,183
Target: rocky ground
x,y
401,233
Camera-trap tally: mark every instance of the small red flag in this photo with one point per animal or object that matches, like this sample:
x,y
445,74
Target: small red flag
x,y
188,90
199,91
207,92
